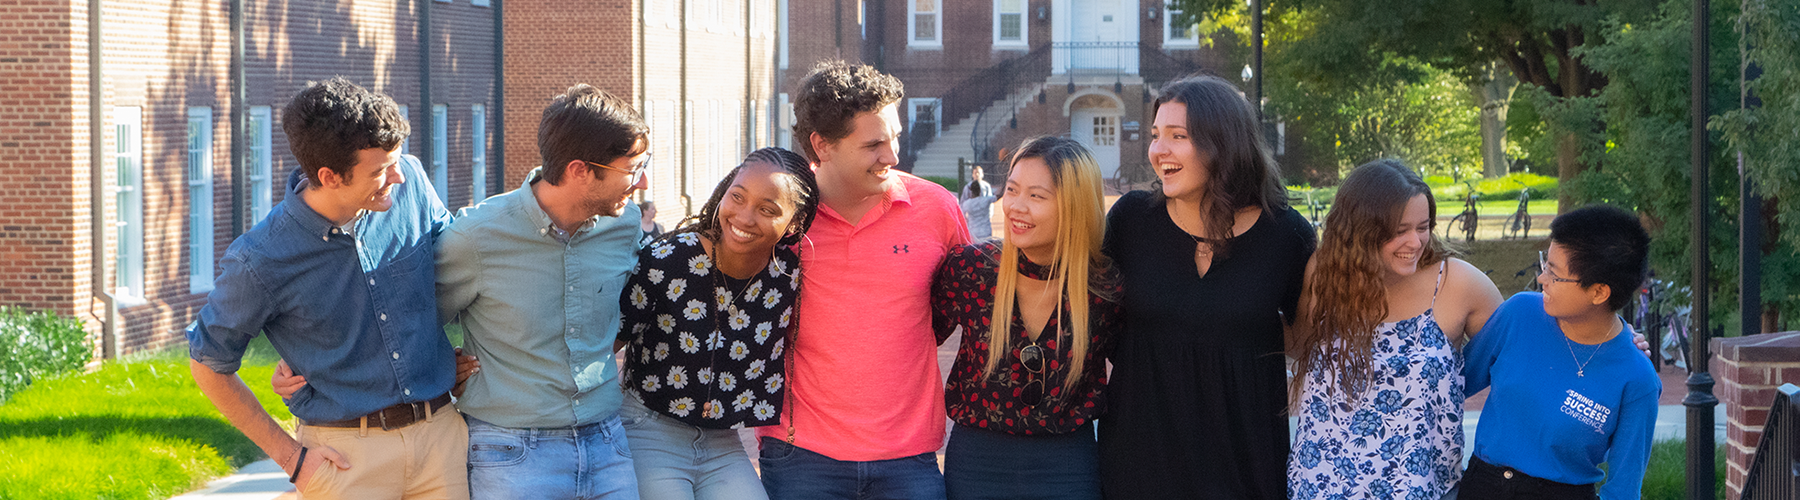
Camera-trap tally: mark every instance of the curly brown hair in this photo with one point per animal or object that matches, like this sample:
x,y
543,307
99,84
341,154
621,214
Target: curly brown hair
x,y
833,94
1345,299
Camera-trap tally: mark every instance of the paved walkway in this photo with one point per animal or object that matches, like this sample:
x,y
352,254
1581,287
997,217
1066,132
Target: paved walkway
x,y
263,480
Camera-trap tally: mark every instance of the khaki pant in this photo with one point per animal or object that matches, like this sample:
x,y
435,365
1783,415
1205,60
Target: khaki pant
x,y
425,460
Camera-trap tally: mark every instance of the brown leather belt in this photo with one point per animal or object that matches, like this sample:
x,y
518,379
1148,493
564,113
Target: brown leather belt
x,y
392,417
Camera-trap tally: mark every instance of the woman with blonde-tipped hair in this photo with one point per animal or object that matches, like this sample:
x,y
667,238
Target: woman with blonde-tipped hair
x,y
1024,397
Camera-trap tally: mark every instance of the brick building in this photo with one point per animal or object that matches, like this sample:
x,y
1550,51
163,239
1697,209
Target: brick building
x,y
981,76
180,175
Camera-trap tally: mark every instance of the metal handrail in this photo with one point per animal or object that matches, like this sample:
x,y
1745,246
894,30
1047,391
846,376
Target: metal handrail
x,y
1775,469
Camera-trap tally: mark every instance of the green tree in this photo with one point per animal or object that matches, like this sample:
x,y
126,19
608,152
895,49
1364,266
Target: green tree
x,y
1642,159
1540,41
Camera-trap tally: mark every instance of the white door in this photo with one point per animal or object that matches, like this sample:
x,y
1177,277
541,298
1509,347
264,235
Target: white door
x,y
1098,129
1101,34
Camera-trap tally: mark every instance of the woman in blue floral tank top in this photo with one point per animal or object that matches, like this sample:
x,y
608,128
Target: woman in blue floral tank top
x,y
1378,383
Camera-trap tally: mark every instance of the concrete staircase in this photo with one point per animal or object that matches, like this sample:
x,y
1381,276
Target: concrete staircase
x,y
939,157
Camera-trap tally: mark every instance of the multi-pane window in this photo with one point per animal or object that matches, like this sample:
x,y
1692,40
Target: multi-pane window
x,y
1106,131
200,202
440,151
924,23
260,162
1009,22
478,164
924,113
128,193
1175,32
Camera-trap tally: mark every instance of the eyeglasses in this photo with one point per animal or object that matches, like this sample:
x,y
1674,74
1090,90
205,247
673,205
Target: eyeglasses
x,y
1544,268
1032,358
636,174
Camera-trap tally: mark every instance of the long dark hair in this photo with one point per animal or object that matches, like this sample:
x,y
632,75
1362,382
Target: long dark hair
x,y
1242,172
803,186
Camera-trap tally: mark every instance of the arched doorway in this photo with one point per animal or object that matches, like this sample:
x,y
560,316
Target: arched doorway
x,y
1094,122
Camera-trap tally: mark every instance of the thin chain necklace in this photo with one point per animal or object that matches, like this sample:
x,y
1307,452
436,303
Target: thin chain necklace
x,y
709,409
1581,366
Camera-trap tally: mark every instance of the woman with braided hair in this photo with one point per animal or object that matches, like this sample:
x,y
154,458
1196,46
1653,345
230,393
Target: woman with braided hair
x,y
707,317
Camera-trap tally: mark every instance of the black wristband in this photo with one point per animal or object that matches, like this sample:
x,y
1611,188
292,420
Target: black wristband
x,y
297,464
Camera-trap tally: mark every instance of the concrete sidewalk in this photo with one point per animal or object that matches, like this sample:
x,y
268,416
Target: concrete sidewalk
x,y
263,480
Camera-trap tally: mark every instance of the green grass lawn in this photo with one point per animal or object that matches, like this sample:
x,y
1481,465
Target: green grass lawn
x,y
1666,477
1496,207
137,429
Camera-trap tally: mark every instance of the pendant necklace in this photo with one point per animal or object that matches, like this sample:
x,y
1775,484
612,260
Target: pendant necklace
x,y
709,409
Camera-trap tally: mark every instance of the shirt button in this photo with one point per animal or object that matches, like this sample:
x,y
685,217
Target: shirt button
x,y
407,391
326,238
1507,474
577,402
396,355
571,330
371,281
571,289
384,316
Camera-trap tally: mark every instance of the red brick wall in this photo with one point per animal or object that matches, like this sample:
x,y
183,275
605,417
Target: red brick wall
x,y
551,46
1748,369
44,187
164,57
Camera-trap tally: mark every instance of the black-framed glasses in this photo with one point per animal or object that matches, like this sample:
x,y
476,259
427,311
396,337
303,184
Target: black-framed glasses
x,y
1032,358
636,174
1544,269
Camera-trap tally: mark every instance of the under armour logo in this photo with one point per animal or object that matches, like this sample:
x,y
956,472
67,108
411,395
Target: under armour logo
x,y
902,249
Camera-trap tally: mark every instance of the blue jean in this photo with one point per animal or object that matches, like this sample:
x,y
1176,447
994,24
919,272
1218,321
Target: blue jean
x,y
591,461
678,461
982,464
793,473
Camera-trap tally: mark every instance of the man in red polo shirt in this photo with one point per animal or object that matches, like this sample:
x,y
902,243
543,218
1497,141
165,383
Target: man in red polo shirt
x,y
866,416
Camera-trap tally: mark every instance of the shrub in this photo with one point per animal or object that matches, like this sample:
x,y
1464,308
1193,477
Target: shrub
x,y
34,345
947,182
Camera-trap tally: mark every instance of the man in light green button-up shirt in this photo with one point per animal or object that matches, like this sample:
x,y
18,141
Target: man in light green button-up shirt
x,y
534,277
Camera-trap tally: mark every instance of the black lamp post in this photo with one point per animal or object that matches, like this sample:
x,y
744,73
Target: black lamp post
x,y
1700,400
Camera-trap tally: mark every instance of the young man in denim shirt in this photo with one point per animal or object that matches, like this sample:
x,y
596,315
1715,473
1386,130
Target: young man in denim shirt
x,y
534,275
340,278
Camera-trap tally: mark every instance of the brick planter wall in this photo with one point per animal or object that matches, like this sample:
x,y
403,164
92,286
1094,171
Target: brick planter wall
x,y
1748,369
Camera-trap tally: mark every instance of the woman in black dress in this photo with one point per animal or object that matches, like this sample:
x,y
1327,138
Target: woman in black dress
x,y
1212,267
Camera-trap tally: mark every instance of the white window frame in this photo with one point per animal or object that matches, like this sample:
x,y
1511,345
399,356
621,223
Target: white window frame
x,y
128,190
406,144
937,113
478,158
440,151
784,127
199,175
714,144
751,121
1169,40
261,164
1024,23
937,24
781,11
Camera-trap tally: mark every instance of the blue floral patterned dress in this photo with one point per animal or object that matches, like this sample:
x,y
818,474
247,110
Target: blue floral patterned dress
x,y
1402,438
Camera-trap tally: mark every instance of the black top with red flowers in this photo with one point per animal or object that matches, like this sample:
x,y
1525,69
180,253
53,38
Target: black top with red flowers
x,y
716,367
963,294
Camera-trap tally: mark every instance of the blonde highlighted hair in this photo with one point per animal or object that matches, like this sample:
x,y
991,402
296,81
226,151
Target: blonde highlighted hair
x,y
1081,225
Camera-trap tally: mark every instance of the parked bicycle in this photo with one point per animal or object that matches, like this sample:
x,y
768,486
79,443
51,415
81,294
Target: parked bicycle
x,y
1518,225
1466,221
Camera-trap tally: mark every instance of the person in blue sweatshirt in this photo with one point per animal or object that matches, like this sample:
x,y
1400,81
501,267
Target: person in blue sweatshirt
x,y
1568,391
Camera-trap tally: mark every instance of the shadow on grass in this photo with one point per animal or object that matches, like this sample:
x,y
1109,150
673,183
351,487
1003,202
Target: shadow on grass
x,y
236,449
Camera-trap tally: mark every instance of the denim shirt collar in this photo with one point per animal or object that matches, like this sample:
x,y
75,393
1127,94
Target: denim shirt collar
x,y
310,220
